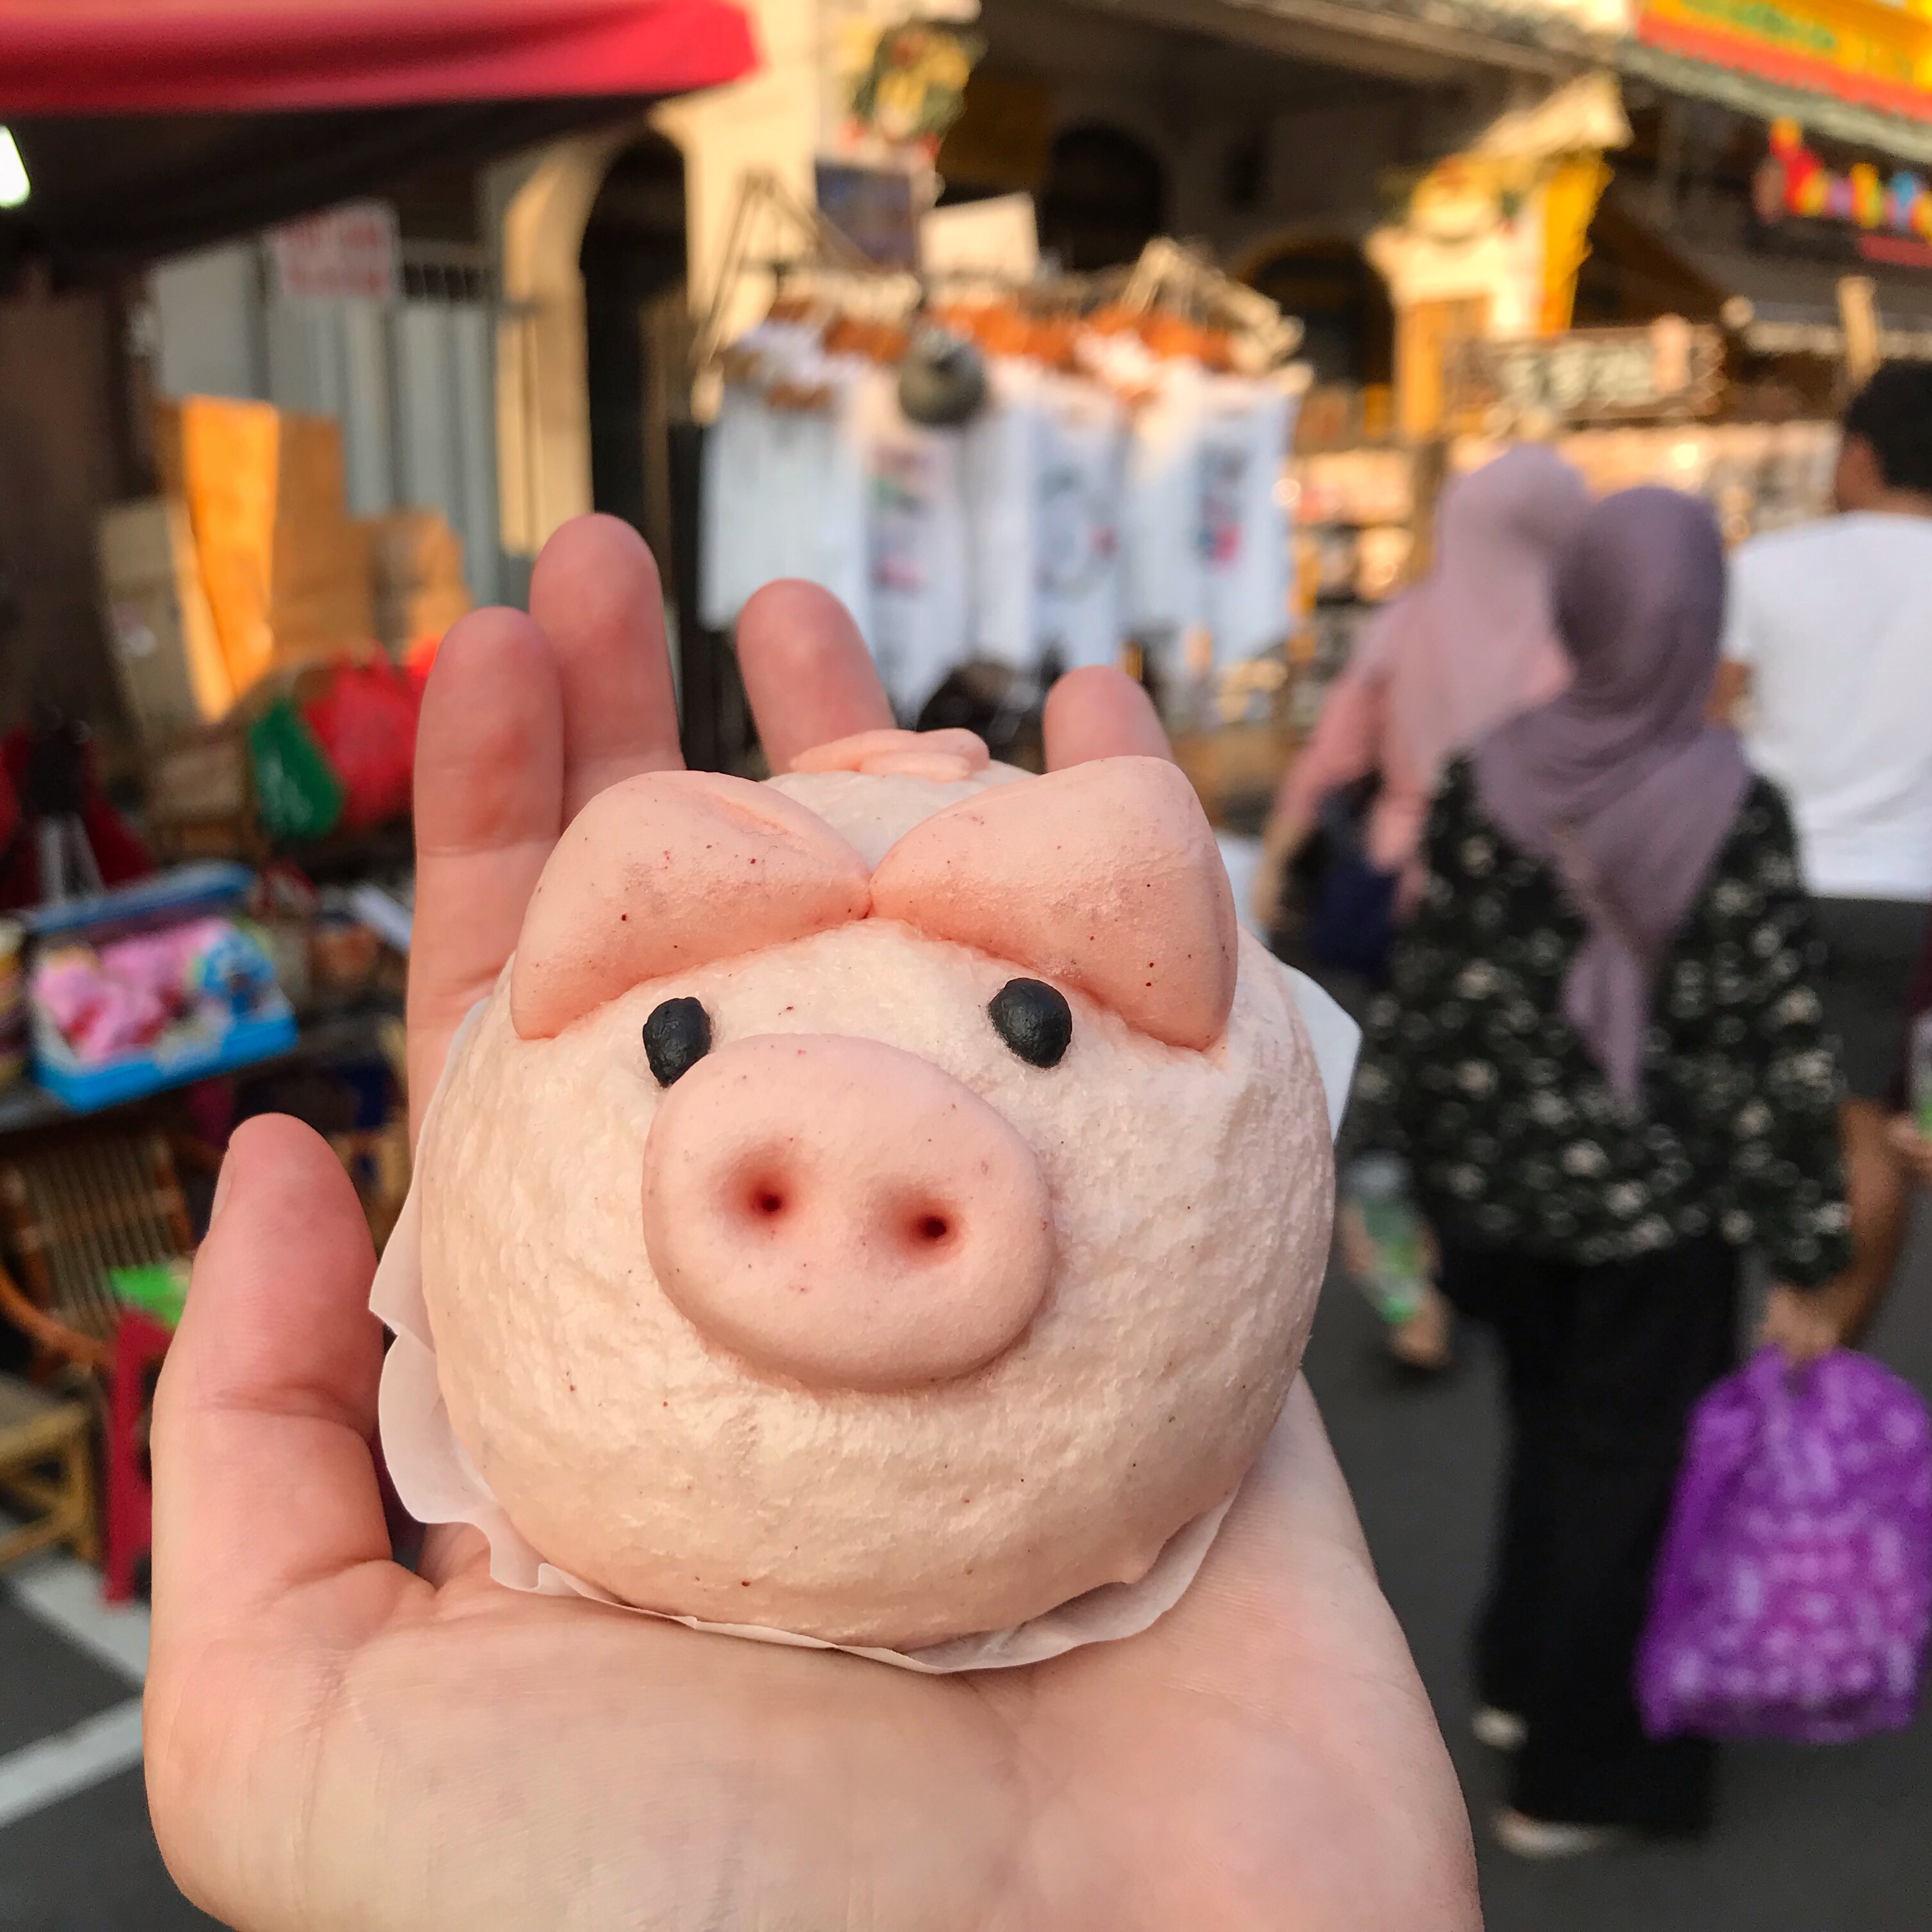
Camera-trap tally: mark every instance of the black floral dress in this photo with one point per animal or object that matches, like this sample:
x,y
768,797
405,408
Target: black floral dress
x,y
1514,1137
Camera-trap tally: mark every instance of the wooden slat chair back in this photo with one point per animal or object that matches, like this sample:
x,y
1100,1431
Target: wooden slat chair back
x,y
74,1207
37,1431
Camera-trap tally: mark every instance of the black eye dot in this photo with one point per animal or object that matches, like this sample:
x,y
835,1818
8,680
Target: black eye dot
x,y
1033,1019
677,1036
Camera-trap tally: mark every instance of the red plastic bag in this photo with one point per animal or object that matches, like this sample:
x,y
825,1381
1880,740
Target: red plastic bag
x,y
365,720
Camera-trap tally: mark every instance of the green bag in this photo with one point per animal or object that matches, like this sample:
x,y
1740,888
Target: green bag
x,y
298,794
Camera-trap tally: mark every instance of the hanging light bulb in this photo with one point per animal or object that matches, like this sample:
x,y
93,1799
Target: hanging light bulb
x,y
14,186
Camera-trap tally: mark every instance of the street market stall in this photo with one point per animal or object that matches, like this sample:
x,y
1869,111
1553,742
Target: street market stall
x,y
217,619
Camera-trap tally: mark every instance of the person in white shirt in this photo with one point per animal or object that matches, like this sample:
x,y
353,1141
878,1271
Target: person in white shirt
x,y
1828,643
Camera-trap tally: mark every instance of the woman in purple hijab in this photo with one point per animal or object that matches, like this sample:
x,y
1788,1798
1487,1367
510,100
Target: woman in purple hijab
x,y
1603,1056
1618,783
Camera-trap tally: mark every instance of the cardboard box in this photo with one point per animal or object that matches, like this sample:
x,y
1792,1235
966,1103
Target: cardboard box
x,y
416,562
404,620
172,670
286,570
321,599
203,777
200,800
410,550
1235,769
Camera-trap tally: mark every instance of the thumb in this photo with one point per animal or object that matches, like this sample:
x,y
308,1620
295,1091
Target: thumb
x,y
263,1475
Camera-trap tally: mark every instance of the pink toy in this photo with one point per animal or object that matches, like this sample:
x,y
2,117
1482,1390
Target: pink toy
x,y
123,1018
882,1206
125,996
69,985
152,961
98,1014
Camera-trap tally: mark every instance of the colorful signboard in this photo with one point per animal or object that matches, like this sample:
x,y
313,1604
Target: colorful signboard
x,y
1889,217
1866,51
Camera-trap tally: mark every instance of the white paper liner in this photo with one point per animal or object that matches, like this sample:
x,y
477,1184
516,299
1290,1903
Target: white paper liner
x,y
438,1484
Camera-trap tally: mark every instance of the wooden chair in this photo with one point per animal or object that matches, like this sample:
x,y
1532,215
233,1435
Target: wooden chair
x,y
378,1161
379,1158
72,1207
75,1205
38,1431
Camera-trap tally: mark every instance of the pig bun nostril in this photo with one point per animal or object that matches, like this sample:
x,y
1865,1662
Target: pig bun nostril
x,y
927,1232
1034,1020
765,1196
677,1036
843,1214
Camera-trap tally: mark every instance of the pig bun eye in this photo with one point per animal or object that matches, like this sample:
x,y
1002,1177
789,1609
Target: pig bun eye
x,y
677,1036
1033,1019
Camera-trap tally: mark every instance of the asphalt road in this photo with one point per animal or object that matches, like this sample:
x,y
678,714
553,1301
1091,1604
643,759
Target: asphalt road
x,y
1808,1840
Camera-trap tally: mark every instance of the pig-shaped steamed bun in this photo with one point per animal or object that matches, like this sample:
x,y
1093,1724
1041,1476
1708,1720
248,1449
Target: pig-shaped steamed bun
x,y
881,1204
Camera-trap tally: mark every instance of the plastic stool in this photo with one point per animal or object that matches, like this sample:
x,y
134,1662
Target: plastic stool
x,y
140,1342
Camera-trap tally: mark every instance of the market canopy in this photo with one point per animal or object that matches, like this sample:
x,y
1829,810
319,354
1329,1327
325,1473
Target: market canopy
x,y
68,57
112,193
148,127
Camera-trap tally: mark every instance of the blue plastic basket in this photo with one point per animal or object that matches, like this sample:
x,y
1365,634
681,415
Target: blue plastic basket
x,y
132,1076
191,1053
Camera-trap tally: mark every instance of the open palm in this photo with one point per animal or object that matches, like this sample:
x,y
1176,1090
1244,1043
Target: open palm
x,y
335,1742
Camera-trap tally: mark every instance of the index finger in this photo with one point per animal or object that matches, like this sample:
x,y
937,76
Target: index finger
x,y
596,593
489,805
807,672
1099,712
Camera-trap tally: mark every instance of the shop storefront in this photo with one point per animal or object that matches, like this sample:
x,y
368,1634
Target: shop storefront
x,y
1681,287
1782,148
1283,145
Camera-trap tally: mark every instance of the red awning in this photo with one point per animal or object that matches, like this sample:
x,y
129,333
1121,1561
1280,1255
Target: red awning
x,y
61,57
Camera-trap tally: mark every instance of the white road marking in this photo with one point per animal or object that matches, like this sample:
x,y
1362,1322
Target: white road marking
x,y
66,1595
43,1774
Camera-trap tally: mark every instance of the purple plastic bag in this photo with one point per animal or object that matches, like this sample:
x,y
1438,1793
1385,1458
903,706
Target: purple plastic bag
x,y
1795,1582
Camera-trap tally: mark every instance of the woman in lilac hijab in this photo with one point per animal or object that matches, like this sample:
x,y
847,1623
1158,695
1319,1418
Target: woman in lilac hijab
x,y
1469,647
1603,1056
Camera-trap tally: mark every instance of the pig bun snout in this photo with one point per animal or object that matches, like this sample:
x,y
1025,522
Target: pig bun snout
x,y
844,1214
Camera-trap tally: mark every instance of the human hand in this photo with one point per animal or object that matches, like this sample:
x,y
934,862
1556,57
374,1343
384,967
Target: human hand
x,y
1264,894
1352,1238
333,1741
1281,838
1358,1246
1913,1149
1803,1323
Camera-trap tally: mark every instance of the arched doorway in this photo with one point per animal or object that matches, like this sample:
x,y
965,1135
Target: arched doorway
x,y
1343,302
1104,199
636,330
593,405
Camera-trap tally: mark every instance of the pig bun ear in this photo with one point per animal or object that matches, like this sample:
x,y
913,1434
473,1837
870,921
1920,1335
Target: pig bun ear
x,y
944,756
666,871
1104,876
